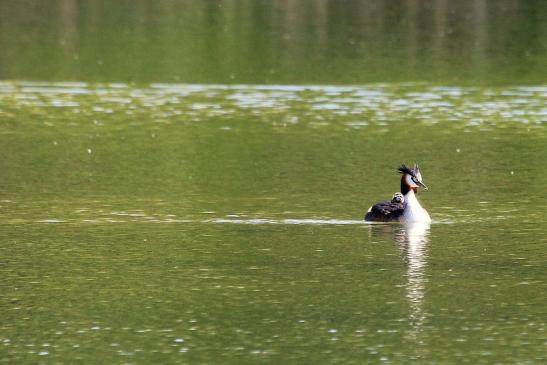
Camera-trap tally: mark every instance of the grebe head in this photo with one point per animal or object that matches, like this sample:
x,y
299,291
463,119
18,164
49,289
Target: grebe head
x,y
398,198
411,179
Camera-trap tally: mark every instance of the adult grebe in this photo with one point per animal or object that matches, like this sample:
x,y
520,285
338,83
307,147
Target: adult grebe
x,y
407,210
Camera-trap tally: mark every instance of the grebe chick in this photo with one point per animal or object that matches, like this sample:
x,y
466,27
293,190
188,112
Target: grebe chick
x,y
405,208
398,198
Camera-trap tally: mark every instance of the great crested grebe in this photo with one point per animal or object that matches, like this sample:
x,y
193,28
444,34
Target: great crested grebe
x,y
404,206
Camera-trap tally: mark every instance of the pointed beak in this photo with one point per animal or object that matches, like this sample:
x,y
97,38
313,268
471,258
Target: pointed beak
x,y
422,185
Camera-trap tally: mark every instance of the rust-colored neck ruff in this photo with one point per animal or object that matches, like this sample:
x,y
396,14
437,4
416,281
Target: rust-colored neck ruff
x,y
405,188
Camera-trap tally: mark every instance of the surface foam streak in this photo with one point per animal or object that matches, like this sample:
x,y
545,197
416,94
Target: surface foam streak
x,y
284,221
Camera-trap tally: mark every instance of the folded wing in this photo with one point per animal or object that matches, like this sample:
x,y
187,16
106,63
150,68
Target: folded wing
x,y
385,211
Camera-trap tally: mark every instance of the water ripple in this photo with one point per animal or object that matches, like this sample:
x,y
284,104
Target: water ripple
x,y
380,103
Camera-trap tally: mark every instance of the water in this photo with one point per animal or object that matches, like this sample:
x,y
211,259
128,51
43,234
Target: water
x,y
215,223
185,182
284,42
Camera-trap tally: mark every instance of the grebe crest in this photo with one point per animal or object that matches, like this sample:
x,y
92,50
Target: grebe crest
x,y
404,206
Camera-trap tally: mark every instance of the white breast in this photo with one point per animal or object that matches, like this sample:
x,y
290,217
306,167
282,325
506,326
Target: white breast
x,y
413,210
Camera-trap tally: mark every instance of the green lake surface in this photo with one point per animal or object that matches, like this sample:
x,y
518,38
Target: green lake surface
x,y
214,223
179,184
279,41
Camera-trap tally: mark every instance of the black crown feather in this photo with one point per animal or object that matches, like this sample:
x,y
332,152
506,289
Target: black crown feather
x,y
404,169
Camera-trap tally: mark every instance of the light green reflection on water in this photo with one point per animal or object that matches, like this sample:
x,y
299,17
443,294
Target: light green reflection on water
x,y
192,223
249,41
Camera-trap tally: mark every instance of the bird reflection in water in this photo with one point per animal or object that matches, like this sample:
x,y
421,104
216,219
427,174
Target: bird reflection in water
x,y
411,239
